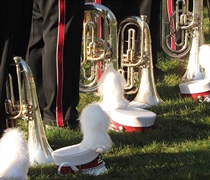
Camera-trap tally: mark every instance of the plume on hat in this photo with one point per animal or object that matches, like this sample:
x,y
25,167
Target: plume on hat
x,y
204,59
94,126
14,161
111,89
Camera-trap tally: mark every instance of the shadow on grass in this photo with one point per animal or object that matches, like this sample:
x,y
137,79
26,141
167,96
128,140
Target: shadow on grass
x,y
182,165
186,165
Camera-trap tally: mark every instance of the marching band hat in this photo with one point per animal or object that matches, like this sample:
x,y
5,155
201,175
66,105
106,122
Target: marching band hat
x,y
72,159
86,157
132,119
195,88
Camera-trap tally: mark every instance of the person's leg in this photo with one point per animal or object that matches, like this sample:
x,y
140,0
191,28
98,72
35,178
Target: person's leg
x,y
34,53
10,44
154,25
45,50
5,56
128,8
145,8
71,59
152,10
115,6
23,29
49,11
4,63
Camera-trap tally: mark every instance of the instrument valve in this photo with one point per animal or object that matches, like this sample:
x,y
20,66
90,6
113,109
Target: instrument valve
x,y
183,19
108,53
27,112
145,61
11,108
8,106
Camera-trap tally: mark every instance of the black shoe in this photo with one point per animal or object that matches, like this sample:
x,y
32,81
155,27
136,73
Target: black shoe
x,y
73,126
158,74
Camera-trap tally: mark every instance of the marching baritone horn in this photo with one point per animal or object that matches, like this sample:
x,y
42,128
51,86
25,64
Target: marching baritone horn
x,y
97,46
24,105
135,60
182,33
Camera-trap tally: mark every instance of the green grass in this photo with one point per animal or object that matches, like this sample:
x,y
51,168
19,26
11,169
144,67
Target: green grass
x,y
177,148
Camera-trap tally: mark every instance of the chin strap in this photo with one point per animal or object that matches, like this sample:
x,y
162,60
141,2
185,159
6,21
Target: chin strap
x,y
95,167
66,165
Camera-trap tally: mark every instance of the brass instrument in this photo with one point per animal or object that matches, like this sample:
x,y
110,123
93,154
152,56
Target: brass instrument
x,y
23,104
182,33
135,60
99,45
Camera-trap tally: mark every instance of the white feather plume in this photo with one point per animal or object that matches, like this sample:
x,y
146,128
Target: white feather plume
x,y
94,126
204,59
111,90
14,161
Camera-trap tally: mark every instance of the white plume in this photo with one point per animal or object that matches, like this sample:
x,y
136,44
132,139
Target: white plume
x,y
204,59
94,126
111,89
14,161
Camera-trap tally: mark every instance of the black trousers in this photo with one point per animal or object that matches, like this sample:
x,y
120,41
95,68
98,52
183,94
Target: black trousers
x,y
15,28
55,63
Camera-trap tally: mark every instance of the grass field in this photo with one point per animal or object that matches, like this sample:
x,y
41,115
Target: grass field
x,y
177,148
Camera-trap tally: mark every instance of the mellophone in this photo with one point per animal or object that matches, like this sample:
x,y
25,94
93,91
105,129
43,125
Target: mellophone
x,y
26,107
196,78
182,37
134,66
